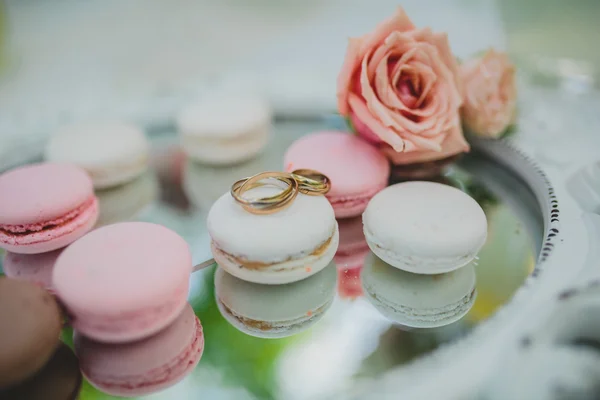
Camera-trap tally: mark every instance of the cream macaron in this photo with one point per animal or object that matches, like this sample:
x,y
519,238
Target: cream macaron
x,y
424,227
112,153
224,129
275,311
283,247
418,301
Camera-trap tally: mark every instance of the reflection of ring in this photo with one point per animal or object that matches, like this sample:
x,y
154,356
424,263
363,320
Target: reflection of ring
x,y
312,182
270,204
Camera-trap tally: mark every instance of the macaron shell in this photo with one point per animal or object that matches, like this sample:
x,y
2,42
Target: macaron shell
x,y
291,233
54,237
33,268
425,227
224,116
418,300
31,324
99,147
354,166
144,366
145,268
221,153
279,273
42,192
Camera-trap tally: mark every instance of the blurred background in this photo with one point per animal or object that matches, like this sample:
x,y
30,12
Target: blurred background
x,y
66,60
62,61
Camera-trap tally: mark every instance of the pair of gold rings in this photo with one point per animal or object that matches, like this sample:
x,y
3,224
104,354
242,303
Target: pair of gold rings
x,y
306,181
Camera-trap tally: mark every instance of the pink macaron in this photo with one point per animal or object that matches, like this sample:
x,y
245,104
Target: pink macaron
x,y
146,366
44,207
34,268
357,170
353,247
124,282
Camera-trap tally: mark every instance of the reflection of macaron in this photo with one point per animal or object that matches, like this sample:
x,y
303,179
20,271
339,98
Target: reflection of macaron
x,y
59,379
112,153
34,268
146,366
31,323
44,207
424,227
124,282
124,202
357,170
349,284
287,246
418,301
274,311
223,130
353,246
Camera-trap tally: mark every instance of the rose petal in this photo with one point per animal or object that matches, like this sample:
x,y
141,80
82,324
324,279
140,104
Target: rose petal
x,y
344,79
453,144
383,86
383,114
398,22
440,40
361,111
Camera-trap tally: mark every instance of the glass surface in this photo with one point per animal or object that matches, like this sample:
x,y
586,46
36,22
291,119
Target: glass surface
x,y
554,38
352,341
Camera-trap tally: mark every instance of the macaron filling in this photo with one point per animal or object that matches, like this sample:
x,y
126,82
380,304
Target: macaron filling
x,y
429,314
166,374
246,137
266,326
36,232
104,173
258,265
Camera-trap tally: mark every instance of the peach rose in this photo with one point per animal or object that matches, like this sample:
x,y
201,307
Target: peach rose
x,y
490,94
399,86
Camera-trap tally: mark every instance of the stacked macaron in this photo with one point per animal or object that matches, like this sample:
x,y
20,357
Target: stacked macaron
x,y
283,247
125,287
115,156
422,234
43,208
112,153
224,128
275,277
34,364
357,170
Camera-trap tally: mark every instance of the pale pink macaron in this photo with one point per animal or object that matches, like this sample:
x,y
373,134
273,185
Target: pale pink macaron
x,y
124,282
145,366
34,268
357,170
44,207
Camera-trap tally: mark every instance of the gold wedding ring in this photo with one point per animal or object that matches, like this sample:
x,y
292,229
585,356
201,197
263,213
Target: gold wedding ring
x,y
306,181
270,204
312,182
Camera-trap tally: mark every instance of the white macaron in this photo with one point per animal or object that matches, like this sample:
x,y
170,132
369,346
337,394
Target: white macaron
x,y
224,129
287,246
418,301
112,153
274,311
424,227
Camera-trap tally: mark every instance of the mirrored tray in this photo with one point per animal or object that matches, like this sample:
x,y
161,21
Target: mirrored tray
x,y
353,344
